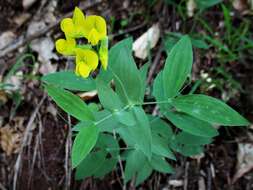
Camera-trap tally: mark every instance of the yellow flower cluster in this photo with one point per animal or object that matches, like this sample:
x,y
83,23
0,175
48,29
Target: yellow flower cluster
x,y
93,28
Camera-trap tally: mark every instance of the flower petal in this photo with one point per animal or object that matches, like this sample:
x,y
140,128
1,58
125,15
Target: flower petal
x,y
96,22
79,21
67,26
78,16
93,37
82,69
89,57
66,47
94,29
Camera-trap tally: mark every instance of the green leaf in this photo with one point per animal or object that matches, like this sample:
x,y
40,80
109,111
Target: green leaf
x,y
134,162
110,144
108,98
70,103
189,145
125,117
172,38
107,125
160,147
102,160
141,132
177,67
209,109
191,125
93,162
161,165
125,73
69,80
160,127
126,136
83,143
158,92
188,139
161,135
199,43
187,150
143,74
144,172
138,135
207,3
105,75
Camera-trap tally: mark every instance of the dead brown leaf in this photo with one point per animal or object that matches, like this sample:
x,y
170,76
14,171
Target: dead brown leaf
x,y
88,95
244,160
191,7
10,140
146,41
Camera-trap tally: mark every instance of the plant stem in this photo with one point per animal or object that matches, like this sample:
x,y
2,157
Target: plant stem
x,y
108,116
120,164
126,107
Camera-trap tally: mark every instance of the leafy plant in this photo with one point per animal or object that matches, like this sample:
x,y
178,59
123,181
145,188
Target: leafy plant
x,y
123,132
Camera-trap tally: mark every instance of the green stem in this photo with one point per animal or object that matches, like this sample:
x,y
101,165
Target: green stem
x,y
150,103
109,116
128,106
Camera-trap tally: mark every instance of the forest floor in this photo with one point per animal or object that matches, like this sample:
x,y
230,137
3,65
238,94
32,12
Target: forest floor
x,y
35,136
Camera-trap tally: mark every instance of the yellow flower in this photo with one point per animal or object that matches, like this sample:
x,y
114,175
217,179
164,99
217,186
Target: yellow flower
x,y
66,47
94,29
74,27
86,61
103,52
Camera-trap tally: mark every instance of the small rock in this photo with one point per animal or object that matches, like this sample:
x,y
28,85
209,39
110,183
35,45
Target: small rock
x,y
6,38
35,27
15,81
201,183
21,19
244,160
176,183
28,3
44,47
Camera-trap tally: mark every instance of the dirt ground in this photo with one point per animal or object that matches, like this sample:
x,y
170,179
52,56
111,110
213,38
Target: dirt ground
x,y
36,135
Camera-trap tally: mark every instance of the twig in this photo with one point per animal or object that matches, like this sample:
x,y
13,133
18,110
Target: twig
x,y
67,150
209,178
33,160
28,129
2,187
186,176
120,164
128,30
155,63
26,39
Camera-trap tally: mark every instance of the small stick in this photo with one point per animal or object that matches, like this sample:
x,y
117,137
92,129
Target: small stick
x,y
155,64
28,129
120,164
2,187
67,152
128,30
186,176
209,178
